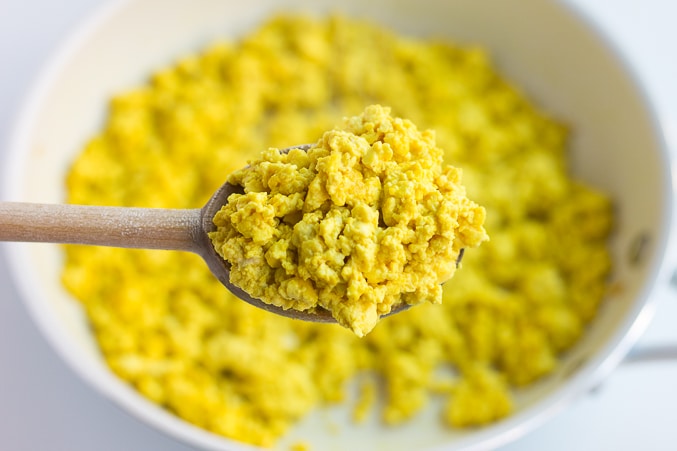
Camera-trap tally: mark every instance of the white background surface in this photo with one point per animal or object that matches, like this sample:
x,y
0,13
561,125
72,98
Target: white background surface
x,y
44,406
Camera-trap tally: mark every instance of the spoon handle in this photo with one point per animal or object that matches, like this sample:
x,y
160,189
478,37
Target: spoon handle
x,y
143,228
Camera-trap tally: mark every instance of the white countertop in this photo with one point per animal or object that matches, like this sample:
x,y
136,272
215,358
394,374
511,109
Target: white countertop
x,y
45,406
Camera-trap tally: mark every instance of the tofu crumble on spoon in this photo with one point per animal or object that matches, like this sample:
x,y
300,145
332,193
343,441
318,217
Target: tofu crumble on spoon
x,y
365,221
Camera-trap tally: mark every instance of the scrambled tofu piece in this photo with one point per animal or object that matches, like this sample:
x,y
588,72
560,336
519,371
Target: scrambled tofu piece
x,y
367,219
166,326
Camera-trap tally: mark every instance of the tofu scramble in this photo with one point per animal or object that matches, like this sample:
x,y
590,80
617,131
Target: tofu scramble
x,y
367,219
169,329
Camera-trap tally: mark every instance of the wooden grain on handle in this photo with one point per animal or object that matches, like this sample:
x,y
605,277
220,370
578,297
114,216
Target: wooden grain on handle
x,y
144,228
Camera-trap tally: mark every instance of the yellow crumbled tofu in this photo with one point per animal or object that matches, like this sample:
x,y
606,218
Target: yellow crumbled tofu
x,y
166,326
300,446
365,400
479,399
366,219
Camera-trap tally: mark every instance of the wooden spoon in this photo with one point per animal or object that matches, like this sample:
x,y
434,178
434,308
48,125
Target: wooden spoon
x,y
140,228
